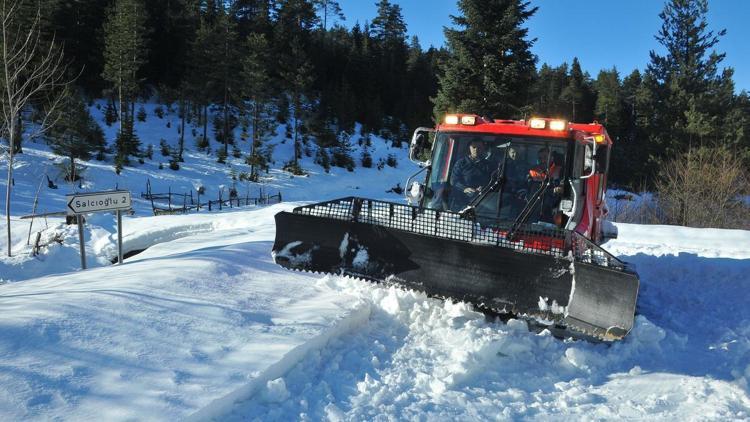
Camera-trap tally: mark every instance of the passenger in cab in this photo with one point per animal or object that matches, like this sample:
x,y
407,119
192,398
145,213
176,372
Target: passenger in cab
x,y
549,166
470,174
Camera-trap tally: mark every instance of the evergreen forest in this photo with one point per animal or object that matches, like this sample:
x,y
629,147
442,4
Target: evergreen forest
x,y
256,64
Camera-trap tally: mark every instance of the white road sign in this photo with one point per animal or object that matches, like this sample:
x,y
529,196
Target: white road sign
x,y
81,203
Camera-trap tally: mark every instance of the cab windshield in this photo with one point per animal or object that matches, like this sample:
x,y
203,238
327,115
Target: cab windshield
x,y
465,165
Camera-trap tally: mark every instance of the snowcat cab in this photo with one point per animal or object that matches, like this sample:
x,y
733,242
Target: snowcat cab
x,y
508,215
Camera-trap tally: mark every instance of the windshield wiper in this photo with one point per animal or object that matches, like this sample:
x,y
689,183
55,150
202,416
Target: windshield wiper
x,y
525,213
497,180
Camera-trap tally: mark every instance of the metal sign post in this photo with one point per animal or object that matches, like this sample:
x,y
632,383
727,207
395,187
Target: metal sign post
x,y
119,237
83,203
79,220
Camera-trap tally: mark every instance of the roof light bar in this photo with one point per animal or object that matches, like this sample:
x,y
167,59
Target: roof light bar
x,y
537,123
469,120
558,125
451,119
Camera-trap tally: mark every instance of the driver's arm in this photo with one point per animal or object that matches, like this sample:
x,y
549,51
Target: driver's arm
x,y
458,177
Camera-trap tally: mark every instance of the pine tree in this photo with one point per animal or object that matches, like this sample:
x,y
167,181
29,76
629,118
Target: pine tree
x,y
199,87
295,20
257,91
388,26
126,143
578,94
609,101
390,51
610,110
689,103
547,92
226,74
328,10
491,67
124,53
173,24
75,135
76,26
421,84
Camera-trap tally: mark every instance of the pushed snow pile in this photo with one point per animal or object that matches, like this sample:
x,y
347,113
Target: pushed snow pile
x,y
688,355
425,359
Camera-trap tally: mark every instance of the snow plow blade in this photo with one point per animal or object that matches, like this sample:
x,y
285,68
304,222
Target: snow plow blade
x,y
551,276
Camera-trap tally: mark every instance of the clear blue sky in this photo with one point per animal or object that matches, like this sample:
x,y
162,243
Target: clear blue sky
x,y
601,33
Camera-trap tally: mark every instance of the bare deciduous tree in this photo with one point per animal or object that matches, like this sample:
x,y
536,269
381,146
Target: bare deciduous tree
x,y
705,187
31,70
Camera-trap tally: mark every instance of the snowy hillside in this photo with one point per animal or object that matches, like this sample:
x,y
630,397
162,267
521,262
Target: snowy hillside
x,y
199,170
202,325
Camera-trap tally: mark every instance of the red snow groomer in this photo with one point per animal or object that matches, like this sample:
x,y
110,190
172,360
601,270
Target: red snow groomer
x,y
509,216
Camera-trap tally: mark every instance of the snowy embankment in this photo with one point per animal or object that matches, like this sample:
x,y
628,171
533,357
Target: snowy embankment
x,y
186,322
38,164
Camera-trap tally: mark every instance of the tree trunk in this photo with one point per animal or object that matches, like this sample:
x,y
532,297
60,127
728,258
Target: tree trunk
x,y
205,123
19,128
119,97
296,122
254,140
226,91
226,120
183,110
11,144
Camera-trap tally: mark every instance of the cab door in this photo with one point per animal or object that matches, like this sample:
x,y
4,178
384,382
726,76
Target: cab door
x,y
598,186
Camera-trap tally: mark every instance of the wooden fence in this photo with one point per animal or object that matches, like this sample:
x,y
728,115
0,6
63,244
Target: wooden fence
x,y
182,203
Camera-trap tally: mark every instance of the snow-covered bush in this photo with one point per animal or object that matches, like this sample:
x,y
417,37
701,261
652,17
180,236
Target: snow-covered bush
x,y
294,168
391,161
221,156
164,148
141,115
366,159
201,143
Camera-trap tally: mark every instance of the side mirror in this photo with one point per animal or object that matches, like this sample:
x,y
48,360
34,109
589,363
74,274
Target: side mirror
x,y
421,147
589,160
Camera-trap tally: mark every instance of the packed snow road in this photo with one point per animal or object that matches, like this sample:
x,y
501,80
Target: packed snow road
x,y
203,325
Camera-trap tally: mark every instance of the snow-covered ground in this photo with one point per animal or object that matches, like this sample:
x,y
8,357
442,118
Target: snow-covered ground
x,y
202,325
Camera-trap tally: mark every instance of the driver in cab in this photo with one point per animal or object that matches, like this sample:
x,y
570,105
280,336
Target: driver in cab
x,y
471,173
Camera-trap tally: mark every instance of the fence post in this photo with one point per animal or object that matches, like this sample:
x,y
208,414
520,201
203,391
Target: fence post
x,y
220,204
36,243
169,198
